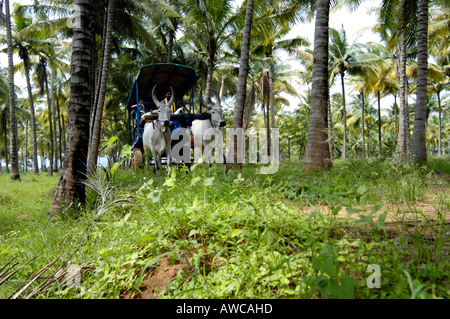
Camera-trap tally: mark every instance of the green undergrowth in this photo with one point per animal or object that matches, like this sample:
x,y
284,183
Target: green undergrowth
x,y
241,234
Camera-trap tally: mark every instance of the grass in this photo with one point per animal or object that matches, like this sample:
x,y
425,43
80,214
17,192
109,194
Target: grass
x,y
24,200
203,234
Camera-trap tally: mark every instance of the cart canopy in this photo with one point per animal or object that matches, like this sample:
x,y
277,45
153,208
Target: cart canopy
x,y
180,77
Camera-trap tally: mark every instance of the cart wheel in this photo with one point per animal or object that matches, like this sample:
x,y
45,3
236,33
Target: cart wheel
x,y
138,159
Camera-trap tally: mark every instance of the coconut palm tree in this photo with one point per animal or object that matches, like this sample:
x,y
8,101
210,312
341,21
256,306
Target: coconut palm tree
x,y
2,16
297,129
15,175
273,25
418,139
124,23
23,117
250,102
23,43
61,102
317,154
382,80
293,127
397,28
103,78
365,83
42,76
260,91
437,82
115,42
169,17
4,114
412,17
347,58
437,125
357,116
439,32
439,77
71,189
242,79
208,26
35,38
273,42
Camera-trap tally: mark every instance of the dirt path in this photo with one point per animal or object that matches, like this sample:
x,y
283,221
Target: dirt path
x,y
395,213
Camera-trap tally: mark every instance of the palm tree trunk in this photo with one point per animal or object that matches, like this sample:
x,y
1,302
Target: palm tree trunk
x,y
95,87
241,89
395,114
440,123
93,151
26,147
289,149
418,141
209,75
344,119
317,153
55,140
33,118
272,106
50,124
407,123
5,141
71,189
2,16
174,22
249,107
95,80
64,135
379,124
170,46
243,68
263,107
43,160
330,128
402,142
271,101
13,140
268,125
362,125
60,131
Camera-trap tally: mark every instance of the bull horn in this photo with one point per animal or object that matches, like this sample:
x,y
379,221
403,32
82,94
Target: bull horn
x,y
155,99
202,102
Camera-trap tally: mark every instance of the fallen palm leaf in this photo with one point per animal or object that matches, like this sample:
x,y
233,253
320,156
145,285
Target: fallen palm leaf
x,y
15,271
33,278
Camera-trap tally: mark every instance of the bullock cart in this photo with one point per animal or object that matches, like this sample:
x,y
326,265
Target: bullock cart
x,y
164,76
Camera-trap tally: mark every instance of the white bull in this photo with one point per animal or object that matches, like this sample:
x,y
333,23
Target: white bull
x,y
201,132
157,137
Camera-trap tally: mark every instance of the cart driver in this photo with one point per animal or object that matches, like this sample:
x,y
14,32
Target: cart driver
x,y
141,111
167,97
177,108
